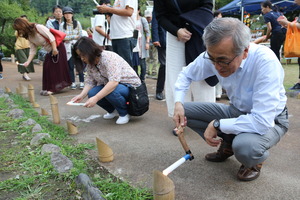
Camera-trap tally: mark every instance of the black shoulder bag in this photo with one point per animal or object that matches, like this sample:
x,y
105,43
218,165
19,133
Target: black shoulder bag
x,y
138,101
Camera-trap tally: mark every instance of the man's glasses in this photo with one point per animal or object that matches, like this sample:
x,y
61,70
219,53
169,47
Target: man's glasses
x,y
219,62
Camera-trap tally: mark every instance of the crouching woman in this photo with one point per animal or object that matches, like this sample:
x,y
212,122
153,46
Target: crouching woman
x,y
108,79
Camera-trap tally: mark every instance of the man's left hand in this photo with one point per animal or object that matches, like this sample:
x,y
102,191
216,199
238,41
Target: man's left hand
x,y
210,135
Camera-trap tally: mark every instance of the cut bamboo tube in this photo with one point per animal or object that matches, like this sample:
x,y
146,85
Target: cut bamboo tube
x,y
72,128
7,90
44,112
35,105
163,187
23,91
54,108
31,93
105,153
17,90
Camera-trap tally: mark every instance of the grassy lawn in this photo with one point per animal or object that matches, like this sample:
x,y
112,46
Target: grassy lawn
x,y
25,174
291,73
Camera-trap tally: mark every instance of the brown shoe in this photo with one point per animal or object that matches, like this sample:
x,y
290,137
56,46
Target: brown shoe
x,y
224,152
249,174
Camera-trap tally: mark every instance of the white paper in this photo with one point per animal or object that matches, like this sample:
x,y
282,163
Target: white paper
x,y
71,103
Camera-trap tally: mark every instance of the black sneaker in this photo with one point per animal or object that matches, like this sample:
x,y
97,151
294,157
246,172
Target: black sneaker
x,y
296,87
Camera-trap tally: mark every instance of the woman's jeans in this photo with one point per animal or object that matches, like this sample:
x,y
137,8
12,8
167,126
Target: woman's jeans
x,y
116,100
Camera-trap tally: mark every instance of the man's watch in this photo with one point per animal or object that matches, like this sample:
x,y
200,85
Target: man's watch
x,y
216,124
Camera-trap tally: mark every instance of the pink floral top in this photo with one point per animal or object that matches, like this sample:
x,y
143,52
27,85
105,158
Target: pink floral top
x,y
111,67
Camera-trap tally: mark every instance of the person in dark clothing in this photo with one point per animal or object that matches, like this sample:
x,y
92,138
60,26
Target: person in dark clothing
x,y
275,31
178,36
159,41
1,70
58,14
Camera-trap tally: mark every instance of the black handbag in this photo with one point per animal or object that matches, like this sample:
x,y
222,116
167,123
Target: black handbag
x,y
138,101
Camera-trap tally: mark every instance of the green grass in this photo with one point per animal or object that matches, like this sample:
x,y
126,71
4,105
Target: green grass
x,y
32,176
291,74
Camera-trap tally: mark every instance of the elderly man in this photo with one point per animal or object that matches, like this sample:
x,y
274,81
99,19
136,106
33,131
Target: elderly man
x,y
257,116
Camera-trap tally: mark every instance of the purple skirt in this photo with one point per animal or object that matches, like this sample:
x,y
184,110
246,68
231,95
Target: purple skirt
x,y
56,71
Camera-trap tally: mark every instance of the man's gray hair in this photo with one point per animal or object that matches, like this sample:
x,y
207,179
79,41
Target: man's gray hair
x,y
227,27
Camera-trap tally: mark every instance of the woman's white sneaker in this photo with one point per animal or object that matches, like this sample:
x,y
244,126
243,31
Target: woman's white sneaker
x,y
123,120
110,115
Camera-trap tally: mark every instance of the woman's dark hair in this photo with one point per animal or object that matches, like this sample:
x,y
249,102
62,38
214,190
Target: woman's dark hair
x,y
88,48
27,28
269,4
56,7
74,23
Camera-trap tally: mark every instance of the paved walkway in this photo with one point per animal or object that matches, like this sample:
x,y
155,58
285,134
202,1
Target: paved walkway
x,y
146,144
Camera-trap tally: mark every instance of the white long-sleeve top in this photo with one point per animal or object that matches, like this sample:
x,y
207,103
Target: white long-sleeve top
x,y
256,88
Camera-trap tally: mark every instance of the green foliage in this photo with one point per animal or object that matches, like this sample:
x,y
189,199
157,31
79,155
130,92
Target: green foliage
x,y
220,3
33,175
85,22
37,11
117,189
11,9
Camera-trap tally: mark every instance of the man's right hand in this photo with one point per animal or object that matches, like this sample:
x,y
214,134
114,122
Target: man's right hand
x,y
178,117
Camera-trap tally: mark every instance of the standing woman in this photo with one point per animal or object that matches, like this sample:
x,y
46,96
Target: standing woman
x,y
178,35
55,71
143,43
22,53
73,30
275,31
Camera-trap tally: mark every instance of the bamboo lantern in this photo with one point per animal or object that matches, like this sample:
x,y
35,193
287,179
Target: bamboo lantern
x,y
44,112
7,90
163,187
105,153
31,93
54,108
72,128
23,91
